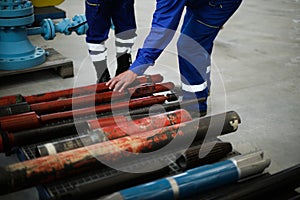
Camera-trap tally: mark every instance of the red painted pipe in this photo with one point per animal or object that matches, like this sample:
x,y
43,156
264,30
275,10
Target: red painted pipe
x,y
129,128
97,88
90,100
20,122
9,100
106,121
136,103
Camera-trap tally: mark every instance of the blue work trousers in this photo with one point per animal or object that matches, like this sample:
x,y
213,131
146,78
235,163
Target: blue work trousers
x,y
201,26
100,14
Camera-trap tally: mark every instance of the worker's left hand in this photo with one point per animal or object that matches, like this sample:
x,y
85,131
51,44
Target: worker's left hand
x,y
120,82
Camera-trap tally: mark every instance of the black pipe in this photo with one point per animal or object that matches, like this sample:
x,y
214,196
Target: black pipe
x,y
14,109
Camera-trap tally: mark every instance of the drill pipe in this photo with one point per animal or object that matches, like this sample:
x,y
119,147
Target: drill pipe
x,y
277,186
91,100
24,121
14,123
18,108
9,100
121,180
118,130
211,152
8,140
49,168
197,180
132,104
101,87
11,105
230,123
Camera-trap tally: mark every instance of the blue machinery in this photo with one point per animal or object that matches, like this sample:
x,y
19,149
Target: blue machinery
x,y
16,51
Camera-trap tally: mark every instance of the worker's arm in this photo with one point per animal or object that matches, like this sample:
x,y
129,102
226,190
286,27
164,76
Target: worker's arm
x,y
164,24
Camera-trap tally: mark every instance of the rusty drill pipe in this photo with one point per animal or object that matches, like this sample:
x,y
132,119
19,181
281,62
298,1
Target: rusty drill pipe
x,y
26,137
10,140
105,97
121,180
118,130
97,88
49,168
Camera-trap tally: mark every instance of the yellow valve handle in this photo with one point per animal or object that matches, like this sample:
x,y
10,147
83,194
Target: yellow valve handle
x,y
45,3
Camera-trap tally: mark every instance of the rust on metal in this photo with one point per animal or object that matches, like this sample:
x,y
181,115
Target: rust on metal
x,y
128,128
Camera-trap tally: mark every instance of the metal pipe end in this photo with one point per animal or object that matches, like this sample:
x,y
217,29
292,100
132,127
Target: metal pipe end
x,y
114,196
251,164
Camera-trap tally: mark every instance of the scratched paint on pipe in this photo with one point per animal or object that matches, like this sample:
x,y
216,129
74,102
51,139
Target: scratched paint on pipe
x,y
145,124
48,168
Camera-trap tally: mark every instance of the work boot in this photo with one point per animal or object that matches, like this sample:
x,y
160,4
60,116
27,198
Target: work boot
x,y
124,61
102,71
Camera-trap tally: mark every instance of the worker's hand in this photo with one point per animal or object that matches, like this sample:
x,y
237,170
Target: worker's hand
x,y
120,82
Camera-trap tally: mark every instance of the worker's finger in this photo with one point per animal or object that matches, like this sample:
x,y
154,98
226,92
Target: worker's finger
x,y
118,86
123,87
108,82
112,83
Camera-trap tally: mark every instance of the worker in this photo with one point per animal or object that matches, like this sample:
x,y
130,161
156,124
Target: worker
x,y
100,15
202,22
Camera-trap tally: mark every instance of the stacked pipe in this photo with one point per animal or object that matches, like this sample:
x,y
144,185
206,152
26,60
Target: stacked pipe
x,y
63,100
38,113
120,180
197,180
9,140
67,93
53,167
121,130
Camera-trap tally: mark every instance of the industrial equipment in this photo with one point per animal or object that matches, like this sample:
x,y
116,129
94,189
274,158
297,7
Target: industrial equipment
x,y
17,52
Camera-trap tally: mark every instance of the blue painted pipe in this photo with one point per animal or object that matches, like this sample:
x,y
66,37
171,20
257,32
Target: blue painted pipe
x,y
48,28
196,180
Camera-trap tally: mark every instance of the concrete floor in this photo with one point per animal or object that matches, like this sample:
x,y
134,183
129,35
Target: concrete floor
x,y
255,72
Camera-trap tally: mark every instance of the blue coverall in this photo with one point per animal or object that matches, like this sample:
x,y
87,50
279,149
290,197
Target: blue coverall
x,y
203,21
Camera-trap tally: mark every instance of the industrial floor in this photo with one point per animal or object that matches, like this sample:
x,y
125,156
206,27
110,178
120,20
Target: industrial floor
x,y
256,72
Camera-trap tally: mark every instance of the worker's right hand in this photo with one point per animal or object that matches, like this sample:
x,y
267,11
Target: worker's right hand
x,y
120,82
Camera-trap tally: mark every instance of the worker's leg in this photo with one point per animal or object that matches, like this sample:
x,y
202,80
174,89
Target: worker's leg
x,y
98,18
195,46
125,30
